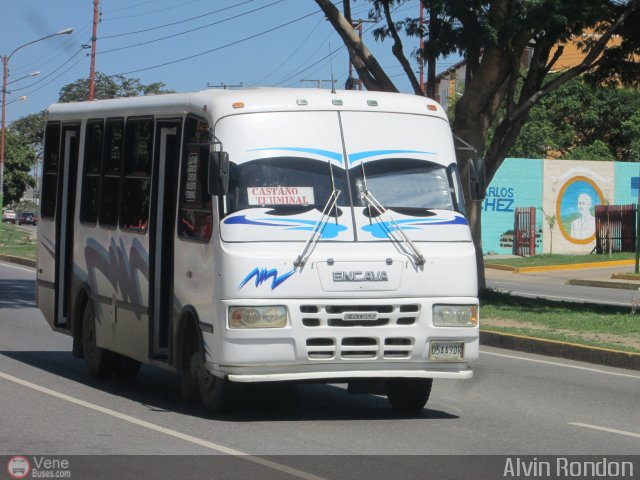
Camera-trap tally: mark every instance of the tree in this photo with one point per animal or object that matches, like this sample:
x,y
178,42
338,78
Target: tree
x,y
583,122
31,129
115,86
19,159
493,36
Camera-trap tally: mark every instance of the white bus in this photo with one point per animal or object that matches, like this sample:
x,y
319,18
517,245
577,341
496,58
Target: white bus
x,y
260,235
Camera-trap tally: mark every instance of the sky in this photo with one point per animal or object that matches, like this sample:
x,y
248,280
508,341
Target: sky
x,y
187,44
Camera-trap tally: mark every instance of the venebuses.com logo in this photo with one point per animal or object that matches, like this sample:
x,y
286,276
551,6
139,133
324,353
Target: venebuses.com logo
x,y
18,467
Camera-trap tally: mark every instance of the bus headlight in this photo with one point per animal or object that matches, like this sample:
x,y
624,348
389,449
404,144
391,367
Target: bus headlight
x,y
455,315
258,317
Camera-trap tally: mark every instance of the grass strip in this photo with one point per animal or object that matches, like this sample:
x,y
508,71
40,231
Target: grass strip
x,y
547,259
16,242
594,325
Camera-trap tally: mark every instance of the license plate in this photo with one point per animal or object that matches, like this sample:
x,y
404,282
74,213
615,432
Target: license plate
x,y
360,316
446,351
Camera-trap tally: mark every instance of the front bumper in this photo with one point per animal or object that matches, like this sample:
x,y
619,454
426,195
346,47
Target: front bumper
x,y
318,344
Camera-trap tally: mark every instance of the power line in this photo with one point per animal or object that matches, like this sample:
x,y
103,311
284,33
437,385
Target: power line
x,y
290,56
62,49
55,78
145,13
251,37
42,79
129,7
310,66
191,30
178,22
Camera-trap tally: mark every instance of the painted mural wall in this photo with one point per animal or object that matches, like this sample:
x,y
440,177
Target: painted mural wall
x,y
518,183
567,190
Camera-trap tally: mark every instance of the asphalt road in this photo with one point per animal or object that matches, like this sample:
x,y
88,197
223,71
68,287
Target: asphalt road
x,y
516,404
553,285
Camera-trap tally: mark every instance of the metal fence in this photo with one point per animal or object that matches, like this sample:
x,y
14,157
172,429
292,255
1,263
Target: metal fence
x,y
615,228
524,242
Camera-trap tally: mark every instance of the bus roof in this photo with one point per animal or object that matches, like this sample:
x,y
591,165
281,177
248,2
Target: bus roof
x,y
221,102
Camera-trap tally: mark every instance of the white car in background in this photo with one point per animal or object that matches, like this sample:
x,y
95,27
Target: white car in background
x,y
9,216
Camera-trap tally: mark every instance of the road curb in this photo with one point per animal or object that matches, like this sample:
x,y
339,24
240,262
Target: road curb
x,y
603,284
554,348
27,262
626,276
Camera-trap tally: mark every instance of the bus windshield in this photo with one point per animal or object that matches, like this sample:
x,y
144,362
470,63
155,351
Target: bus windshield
x,y
284,184
403,183
294,184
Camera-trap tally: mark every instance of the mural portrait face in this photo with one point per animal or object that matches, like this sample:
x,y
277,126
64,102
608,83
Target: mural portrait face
x,y
575,209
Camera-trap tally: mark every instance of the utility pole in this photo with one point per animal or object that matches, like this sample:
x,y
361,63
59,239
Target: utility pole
x,y
318,82
92,69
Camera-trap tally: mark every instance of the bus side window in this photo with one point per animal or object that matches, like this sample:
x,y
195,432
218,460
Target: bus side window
x,y
195,219
136,186
91,172
110,173
50,170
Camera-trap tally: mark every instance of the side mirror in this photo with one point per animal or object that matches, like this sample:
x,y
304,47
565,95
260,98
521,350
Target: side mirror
x,y
477,179
218,183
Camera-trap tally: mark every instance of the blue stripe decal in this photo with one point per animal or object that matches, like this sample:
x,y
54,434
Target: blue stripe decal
x,y
335,156
330,229
262,275
354,157
383,229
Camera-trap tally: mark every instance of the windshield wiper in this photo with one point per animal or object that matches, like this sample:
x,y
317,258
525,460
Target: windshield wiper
x,y
316,232
371,201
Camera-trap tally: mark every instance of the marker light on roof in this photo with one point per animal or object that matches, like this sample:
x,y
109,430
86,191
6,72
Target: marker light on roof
x,y
302,101
237,104
432,107
372,103
336,101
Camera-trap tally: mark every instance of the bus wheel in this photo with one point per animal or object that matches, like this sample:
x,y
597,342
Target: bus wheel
x,y
101,362
212,388
408,394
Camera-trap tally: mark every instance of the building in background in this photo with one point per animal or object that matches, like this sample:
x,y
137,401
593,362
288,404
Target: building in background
x,y
568,190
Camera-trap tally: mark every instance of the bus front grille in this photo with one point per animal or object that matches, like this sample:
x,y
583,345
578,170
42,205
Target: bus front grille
x,y
359,315
358,348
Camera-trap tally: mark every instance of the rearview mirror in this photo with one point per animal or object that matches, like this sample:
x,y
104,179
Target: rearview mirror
x,y
218,182
477,179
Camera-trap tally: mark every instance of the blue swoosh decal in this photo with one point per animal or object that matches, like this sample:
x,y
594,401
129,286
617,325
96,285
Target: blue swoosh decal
x,y
262,275
354,157
335,156
243,220
383,229
330,230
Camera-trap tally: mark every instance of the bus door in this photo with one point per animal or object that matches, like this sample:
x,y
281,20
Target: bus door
x,y
64,215
163,221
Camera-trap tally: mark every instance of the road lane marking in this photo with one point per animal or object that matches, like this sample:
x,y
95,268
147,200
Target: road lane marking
x,y
558,364
605,429
294,472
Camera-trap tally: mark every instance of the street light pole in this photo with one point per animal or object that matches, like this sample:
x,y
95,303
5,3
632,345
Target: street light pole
x,y
5,77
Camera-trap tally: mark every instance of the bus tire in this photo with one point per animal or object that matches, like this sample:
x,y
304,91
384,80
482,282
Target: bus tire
x,y
212,389
100,362
408,394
